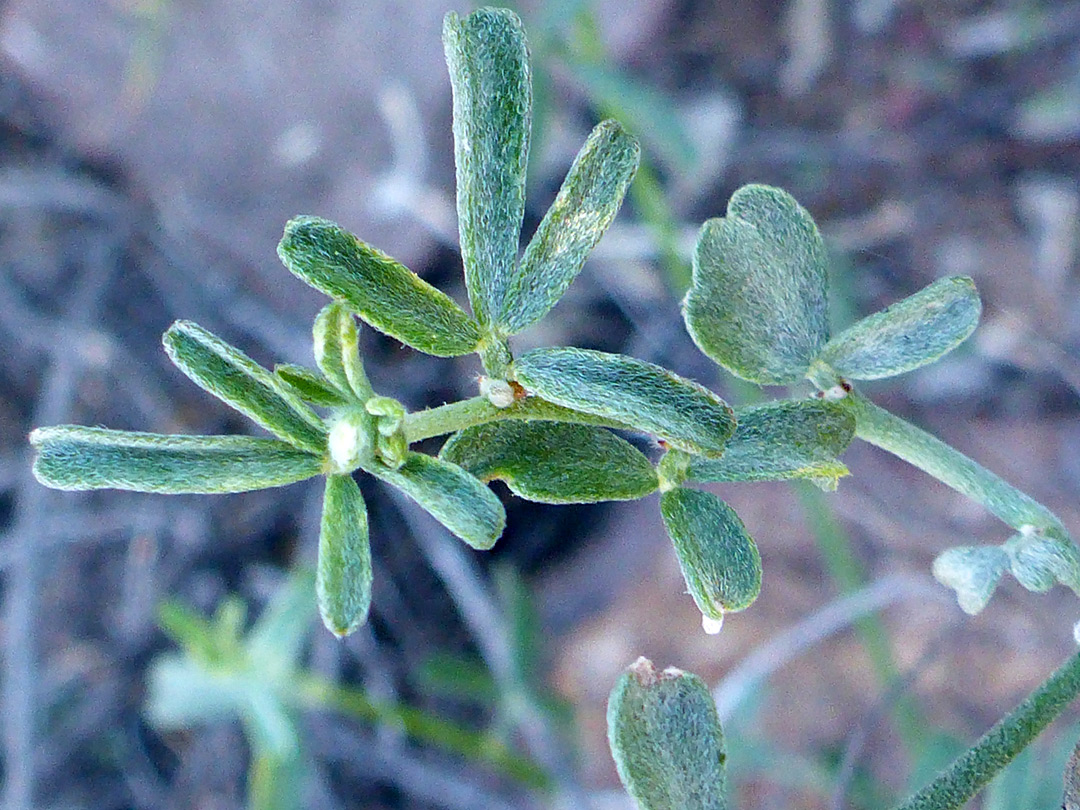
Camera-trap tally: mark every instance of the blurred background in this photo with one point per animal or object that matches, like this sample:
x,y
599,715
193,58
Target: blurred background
x,y
152,151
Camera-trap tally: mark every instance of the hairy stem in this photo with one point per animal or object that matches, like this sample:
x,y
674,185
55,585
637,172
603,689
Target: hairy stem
x,y
970,772
950,466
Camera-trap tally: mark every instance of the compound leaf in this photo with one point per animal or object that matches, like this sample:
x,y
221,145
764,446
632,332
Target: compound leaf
x,y
719,560
335,342
666,739
383,292
489,72
584,208
553,462
756,304
911,333
343,576
648,397
780,441
973,572
77,458
458,500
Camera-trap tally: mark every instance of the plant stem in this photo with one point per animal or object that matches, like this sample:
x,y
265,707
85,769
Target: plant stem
x,y
971,771
950,466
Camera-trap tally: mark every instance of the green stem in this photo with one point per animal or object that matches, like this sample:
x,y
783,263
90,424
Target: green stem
x,y
478,411
997,748
950,466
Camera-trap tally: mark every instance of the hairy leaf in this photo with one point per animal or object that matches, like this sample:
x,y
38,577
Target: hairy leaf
x,y
309,385
973,572
553,462
584,208
910,333
666,739
75,457
1039,561
647,397
459,501
719,560
335,341
756,304
240,382
489,73
384,293
343,582
780,441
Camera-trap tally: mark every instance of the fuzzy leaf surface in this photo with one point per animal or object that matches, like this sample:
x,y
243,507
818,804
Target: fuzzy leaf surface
x,y
240,382
335,341
343,577
756,303
73,457
780,441
719,560
911,333
648,397
310,386
583,209
1041,561
666,739
387,295
489,73
973,572
553,462
458,500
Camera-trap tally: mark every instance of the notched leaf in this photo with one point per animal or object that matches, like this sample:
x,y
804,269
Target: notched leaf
x,y
645,396
344,575
383,292
73,457
973,572
909,334
757,304
553,462
719,560
458,500
584,208
666,739
780,441
1039,561
240,382
489,73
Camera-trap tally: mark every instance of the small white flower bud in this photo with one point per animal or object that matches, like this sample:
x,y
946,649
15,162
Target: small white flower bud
x,y
346,442
498,392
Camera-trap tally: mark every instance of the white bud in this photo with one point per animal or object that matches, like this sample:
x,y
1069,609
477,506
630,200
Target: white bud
x,y
498,392
710,625
346,442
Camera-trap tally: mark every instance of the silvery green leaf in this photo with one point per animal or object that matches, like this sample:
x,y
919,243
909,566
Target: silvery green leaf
x,y
75,458
973,572
553,462
780,441
268,721
645,396
459,501
666,739
756,304
910,333
719,560
276,640
489,73
240,382
335,341
384,293
310,386
1039,561
182,692
584,208
344,575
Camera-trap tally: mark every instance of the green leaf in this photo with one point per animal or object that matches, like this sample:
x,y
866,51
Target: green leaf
x,y
911,333
344,575
666,739
757,301
385,294
553,462
973,572
719,560
310,386
459,501
335,341
584,208
645,396
780,441
75,458
276,640
1039,561
489,73
240,382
